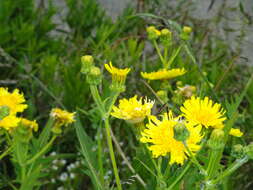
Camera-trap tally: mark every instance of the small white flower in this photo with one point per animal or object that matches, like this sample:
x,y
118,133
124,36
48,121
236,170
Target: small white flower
x,y
63,162
72,175
52,153
54,167
63,176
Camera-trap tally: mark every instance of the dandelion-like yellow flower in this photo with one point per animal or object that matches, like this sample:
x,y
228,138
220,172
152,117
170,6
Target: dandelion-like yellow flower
x,y
235,132
15,103
203,112
161,136
163,74
118,75
62,117
33,125
133,110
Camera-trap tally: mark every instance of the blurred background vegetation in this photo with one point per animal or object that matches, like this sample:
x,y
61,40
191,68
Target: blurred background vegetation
x,y
41,43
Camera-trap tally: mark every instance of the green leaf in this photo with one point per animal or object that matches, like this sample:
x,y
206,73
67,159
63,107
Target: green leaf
x,y
86,152
45,134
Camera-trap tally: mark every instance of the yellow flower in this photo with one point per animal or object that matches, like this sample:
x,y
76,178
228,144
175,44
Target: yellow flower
x,y
163,74
133,110
161,136
33,125
203,112
187,29
118,75
15,103
62,117
235,132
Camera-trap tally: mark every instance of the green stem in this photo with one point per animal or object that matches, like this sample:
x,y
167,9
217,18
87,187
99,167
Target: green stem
x,y
100,157
213,164
165,57
42,151
194,160
159,53
113,100
6,152
175,182
97,98
237,163
109,141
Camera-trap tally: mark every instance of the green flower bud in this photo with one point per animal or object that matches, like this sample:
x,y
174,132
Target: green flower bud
x,y
4,112
153,33
181,133
185,35
216,140
187,29
249,150
166,36
162,94
87,63
238,151
94,77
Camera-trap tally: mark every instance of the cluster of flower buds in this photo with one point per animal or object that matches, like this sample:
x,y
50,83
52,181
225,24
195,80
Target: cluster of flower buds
x,y
164,35
93,73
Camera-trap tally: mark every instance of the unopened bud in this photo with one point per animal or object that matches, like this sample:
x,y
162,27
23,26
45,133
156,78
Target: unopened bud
x,y
153,33
162,94
187,29
238,151
185,35
94,77
216,140
166,36
249,150
4,112
181,133
87,63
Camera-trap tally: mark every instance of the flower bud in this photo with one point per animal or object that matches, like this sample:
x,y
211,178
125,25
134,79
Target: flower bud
x,y
162,94
87,63
216,140
166,36
153,33
187,29
238,151
249,150
4,111
181,133
94,77
185,35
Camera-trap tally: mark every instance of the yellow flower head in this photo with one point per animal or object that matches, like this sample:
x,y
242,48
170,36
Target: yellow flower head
x,y
163,74
118,75
33,125
161,136
235,132
62,117
15,103
203,112
133,110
